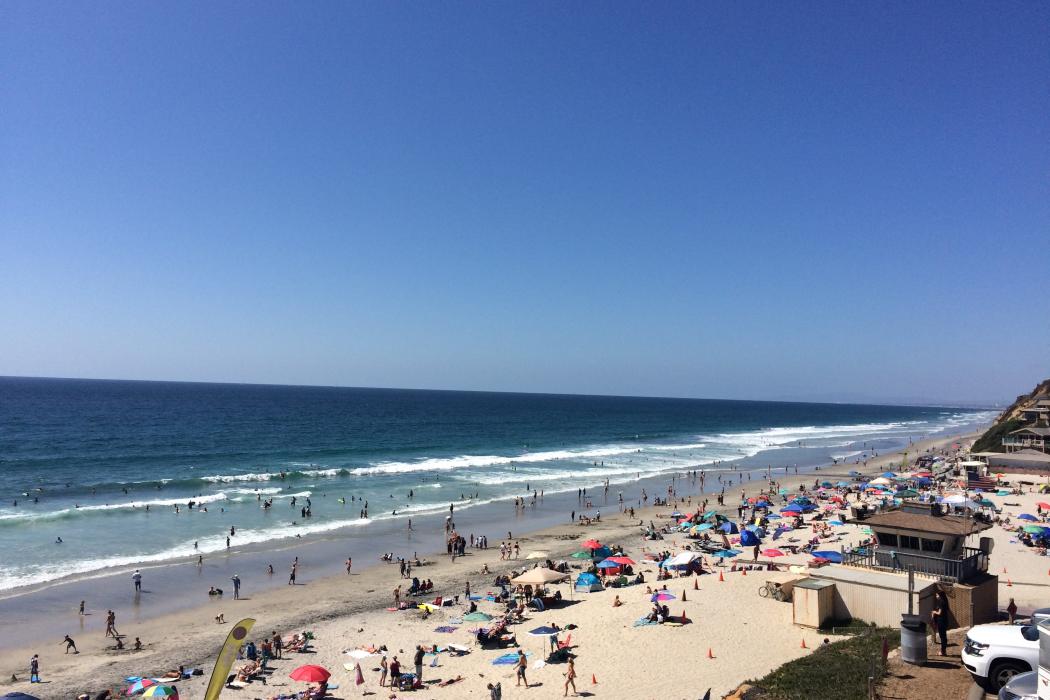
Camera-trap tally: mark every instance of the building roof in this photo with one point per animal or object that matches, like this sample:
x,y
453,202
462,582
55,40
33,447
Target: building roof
x,y
1025,455
933,524
869,577
1043,432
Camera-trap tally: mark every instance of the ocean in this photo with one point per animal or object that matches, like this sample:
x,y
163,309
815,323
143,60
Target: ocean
x,y
103,465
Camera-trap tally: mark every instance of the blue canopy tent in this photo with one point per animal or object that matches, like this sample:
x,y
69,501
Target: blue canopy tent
x,y
587,583
749,539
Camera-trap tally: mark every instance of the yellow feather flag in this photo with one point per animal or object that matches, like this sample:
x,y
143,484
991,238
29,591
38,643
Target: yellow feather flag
x,y
227,656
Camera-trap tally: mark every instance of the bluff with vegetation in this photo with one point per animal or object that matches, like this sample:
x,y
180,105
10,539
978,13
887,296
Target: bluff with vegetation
x,y
1010,420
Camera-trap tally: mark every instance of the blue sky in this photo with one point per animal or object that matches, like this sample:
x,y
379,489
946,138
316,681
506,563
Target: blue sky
x,y
743,200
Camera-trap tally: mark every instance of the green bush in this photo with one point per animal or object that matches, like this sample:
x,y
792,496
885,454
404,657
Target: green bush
x,y
838,670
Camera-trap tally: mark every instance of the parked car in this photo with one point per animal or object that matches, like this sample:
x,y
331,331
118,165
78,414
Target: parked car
x,y
1023,686
994,654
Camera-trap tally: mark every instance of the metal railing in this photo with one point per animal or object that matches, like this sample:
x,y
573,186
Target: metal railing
x,y
961,568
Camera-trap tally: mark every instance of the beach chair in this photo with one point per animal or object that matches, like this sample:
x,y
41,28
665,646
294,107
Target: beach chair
x,y
567,644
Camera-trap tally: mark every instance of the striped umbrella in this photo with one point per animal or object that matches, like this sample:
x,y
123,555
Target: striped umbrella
x,y
139,686
161,691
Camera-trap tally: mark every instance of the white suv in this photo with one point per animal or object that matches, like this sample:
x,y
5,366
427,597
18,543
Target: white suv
x,y
996,653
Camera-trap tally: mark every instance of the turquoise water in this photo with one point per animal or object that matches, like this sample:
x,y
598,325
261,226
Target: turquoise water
x,y
103,465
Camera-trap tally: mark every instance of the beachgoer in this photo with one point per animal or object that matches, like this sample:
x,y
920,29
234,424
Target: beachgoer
x,y
495,691
940,620
34,669
418,660
236,586
523,663
395,673
1011,610
570,677
383,670
349,563
81,607
70,644
137,578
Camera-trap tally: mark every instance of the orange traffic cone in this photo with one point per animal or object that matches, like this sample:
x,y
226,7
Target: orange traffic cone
x,y
696,584
721,578
743,572
803,645
683,595
684,618
594,681
1009,583
709,654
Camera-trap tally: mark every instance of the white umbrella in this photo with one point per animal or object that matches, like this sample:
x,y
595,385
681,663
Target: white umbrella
x,y
540,576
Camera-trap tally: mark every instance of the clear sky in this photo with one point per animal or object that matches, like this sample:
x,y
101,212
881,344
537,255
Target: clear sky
x,y
842,200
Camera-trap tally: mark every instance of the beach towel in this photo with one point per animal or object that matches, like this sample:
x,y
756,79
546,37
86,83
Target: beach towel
x,y
445,629
645,622
508,659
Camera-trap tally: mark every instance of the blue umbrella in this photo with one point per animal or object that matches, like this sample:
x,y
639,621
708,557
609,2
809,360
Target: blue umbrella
x,y
609,565
544,631
833,557
888,475
773,516
705,526
1026,516
18,696
729,527
726,553
843,483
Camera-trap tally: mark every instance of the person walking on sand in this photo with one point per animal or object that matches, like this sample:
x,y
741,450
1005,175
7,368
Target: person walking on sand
x,y
291,576
137,578
70,644
81,607
523,663
570,677
236,586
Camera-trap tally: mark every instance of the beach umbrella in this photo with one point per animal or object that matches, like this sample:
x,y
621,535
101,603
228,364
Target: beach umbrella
x,y
888,475
792,509
985,502
539,576
538,555
826,484
622,560
842,484
907,493
836,522
543,631
161,691
833,557
477,617
140,685
662,595
954,499
881,481
608,565
582,554
708,514
591,544
1034,529
18,696
1044,506
310,674
1026,516
704,526
729,528
725,553
772,553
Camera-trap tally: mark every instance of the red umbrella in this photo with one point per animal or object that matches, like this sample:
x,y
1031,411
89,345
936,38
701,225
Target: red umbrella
x,y
310,674
1043,505
592,544
622,560
772,553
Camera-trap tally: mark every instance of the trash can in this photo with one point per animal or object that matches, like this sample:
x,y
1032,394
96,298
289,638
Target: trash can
x,y
913,639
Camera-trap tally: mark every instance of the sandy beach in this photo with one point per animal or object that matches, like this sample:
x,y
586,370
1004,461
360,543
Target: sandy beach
x,y
746,635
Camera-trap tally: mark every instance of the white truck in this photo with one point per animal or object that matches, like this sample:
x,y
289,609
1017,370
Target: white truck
x,y
994,654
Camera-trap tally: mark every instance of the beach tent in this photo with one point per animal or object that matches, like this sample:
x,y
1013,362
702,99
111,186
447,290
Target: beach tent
x,y
602,552
682,559
749,538
539,577
582,554
1027,516
588,583
729,527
